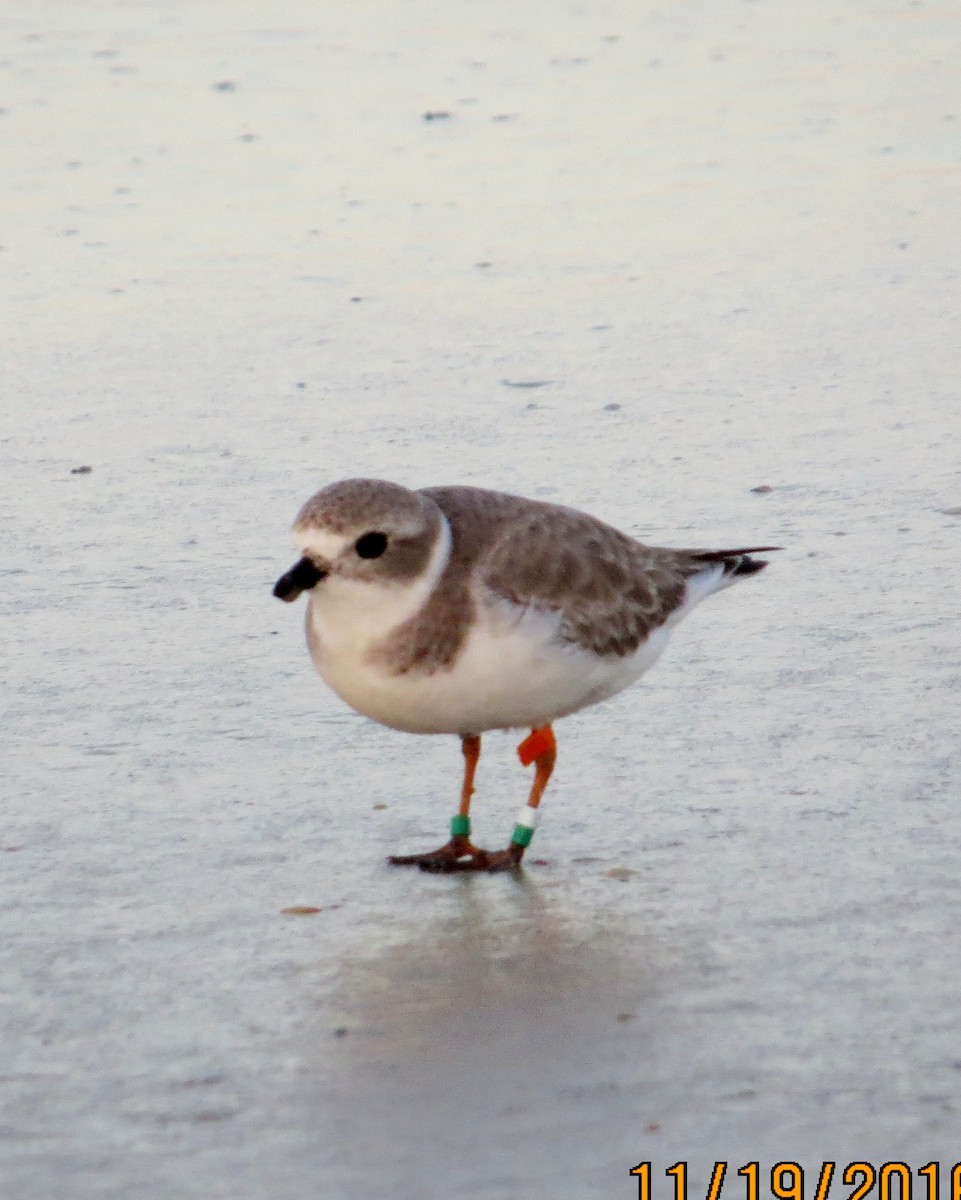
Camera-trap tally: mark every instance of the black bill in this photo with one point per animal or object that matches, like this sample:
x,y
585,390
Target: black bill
x,y
300,578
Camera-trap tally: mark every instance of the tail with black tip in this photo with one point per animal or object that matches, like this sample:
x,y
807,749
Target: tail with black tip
x,y
735,562
710,571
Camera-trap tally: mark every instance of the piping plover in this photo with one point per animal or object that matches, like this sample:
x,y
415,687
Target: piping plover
x,y
458,610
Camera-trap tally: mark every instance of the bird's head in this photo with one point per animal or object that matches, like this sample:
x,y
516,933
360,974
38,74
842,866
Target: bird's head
x,y
362,533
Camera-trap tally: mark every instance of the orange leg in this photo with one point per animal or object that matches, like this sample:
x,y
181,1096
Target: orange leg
x,y
471,747
448,856
541,750
460,854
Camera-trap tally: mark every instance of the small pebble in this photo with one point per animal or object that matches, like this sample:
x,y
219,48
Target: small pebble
x,y
300,910
952,512
612,407
436,116
762,489
620,873
80,470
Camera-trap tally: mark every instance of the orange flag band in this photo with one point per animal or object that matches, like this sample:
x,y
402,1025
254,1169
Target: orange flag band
x,y
539,742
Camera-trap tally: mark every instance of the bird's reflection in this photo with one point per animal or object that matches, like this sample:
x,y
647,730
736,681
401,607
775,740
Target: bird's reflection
x,y
507,1012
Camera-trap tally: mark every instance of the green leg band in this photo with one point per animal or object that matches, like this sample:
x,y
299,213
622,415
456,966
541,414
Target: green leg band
x,y
522,835
460,826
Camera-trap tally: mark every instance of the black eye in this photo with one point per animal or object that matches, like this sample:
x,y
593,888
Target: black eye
x,y
371,545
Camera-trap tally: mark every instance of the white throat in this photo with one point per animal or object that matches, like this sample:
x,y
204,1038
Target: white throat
x,y
347,617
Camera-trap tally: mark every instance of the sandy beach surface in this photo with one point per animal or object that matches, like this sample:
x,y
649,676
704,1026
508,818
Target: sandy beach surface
x,y
690,266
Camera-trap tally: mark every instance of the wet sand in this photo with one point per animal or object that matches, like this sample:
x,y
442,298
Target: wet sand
x,y
651,259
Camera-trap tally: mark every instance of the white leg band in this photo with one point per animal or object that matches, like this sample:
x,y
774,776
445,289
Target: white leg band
x,y
528,817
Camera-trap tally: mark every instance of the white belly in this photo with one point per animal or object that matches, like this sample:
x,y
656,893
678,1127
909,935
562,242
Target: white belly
x,y
511,673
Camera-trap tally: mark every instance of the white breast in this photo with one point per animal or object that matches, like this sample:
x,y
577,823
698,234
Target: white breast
x,y
512,672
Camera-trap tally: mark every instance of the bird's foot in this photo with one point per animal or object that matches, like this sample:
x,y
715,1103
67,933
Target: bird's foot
x,y
441,859
459,854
